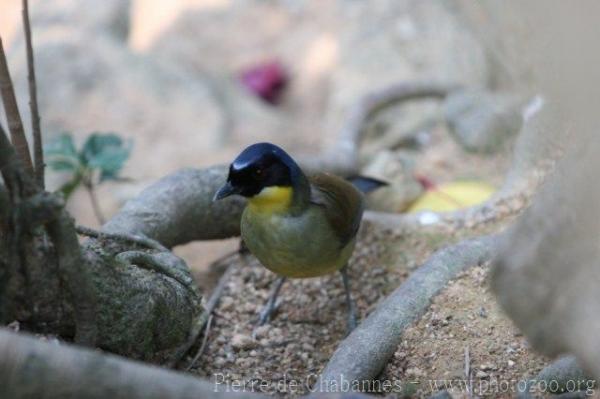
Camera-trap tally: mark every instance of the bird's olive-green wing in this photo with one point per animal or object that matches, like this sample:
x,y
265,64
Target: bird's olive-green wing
x,y
342,202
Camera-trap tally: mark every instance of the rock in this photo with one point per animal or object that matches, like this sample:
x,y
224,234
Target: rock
x,y
240,341
262,331
220,362
482,121
395,169
306,347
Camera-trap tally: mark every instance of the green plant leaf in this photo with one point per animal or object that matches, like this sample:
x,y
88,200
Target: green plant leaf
x,y
106,152
61,154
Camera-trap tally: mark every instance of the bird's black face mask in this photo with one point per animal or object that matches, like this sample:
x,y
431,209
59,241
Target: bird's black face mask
x,y
258,166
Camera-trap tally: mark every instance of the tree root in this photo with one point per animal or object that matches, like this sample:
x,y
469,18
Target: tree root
x,y
202,345
179,208
74,271
363,354
34,368
504,204
564,375
342,157
164,263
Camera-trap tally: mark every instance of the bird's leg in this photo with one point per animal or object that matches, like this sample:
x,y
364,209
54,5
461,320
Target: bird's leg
x,y
243,249
349,302
265,314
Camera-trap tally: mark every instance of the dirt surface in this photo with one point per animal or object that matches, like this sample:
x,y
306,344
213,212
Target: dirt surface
x,y
465,318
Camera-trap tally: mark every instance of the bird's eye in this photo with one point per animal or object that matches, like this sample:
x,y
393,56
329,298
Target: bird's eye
x,y
257,173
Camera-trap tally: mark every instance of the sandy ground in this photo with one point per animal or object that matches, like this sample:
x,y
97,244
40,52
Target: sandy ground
x,y
465,318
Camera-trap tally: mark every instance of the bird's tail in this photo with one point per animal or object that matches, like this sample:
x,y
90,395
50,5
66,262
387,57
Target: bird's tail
x,y
366,184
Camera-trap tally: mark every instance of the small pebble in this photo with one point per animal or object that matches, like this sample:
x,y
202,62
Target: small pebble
x,y
307,347
262,331
240,341
481,374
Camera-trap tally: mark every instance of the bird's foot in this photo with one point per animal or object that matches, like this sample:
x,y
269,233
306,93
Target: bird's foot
x,y
352,320
266,313
264,317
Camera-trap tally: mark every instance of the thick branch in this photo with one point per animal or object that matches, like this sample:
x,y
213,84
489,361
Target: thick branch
x,y
34,368
15,124
179,208
366,351
38,153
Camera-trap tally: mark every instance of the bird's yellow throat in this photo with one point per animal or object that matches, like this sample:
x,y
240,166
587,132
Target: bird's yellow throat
x,y
273,199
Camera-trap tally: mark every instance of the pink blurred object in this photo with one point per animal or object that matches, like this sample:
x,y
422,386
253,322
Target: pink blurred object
x,y
266,80
426,183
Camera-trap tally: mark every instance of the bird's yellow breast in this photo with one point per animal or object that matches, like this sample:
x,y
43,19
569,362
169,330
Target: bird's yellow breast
x,y
274,199
297,246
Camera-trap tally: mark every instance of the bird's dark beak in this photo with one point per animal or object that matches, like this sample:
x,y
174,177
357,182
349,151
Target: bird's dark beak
x,y
225,192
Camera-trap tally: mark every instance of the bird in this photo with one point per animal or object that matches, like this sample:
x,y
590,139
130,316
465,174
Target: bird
x,y
297,226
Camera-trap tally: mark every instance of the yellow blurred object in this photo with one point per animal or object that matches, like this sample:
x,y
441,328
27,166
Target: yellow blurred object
x,y
452,196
